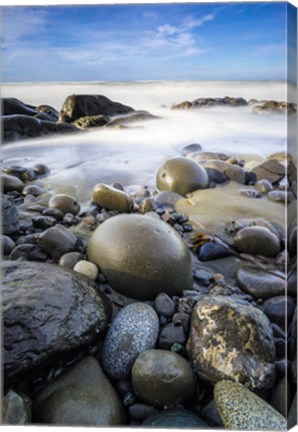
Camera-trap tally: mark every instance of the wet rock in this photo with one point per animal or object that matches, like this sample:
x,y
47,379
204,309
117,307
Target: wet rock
x,y
15,106
231,339
134,116
279,309
211,251
70,259
270,170
257,240
147,205
274,107
76,106
239,408
111,198
65,203
11,183
182,176
41,169
210,413
281,196
170,335
16,127
51,112
48,311
28,252
259,283
167,198
191,148
215,176
7,244
182,319
10,215
43,222
162,378
140,411
57,241
16,409
164,305
53,212
177,418
264,186
90,121
122,248
87,269
33,190
81,397
133,330
206,156
231,172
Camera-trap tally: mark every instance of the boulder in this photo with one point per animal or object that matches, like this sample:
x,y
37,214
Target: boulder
x,y
240,409
47,312
141,256
76,106
15,106
271,170
133,330
231,339
81,397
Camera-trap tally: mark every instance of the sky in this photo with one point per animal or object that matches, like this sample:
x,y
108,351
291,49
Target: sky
x,y
182,41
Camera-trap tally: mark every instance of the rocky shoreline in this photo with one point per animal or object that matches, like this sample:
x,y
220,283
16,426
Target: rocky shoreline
x,y
155,308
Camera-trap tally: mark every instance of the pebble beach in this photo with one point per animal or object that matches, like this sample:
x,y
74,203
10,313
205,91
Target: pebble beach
x,y
149,266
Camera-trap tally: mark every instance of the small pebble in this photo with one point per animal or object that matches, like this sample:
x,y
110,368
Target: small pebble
x,y
86,268
164,305
55,213
43,222
70,259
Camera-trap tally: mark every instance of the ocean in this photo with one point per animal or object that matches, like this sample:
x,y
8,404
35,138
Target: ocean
x,y
131,156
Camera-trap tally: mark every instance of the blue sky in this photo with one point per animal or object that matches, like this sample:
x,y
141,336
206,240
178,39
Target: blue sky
x,y
218,41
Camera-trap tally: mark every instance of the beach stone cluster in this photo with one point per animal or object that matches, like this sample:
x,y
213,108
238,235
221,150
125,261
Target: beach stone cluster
x,y
125,311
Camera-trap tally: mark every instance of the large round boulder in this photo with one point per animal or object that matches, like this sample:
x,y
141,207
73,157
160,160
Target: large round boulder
x,y
48,312
141,256
181,175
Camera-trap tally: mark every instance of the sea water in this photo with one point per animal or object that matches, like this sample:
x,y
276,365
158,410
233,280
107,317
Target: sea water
x,y
132,155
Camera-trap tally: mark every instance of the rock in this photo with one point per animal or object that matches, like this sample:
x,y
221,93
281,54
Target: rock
x,y
140,411
164,305
170,335
182,176
7,244
211,415
43,222
11,183
259,283
16,409
41,169
177,418
111,198
70,259
65,203
147,205
249,193
53,212
29,252
231,339
122,248
279,310
270,170
231,172
47,311
15,106
212,250
57,241
239,408
90,121
134,116
201,156
191,148
133,330
162,378
280,395
257,240
167,198
264,186
16,127
81,397
76,106
87,269
215,176
10,216
284,197
34,190
273,107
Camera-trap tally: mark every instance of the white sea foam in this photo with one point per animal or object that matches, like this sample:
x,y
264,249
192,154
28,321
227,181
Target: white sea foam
x,y
132,155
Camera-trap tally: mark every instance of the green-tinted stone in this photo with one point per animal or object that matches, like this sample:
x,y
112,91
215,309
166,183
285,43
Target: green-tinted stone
x,y
177,418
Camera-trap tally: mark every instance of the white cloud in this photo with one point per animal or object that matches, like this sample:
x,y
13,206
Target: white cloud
x,y
167,29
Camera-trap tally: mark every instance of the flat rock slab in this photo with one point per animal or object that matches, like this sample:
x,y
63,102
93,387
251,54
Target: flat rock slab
x,y
47,311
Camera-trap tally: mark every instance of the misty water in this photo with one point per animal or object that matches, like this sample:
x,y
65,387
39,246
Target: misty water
x,y
132,155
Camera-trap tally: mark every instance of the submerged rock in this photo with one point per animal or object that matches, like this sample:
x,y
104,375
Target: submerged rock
x,y
141,256
133,330
81,397
231,339
182,176
241,409
162,378
47,311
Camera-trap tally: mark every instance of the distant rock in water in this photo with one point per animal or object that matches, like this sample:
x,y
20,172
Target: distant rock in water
x,y
76,106
272,106
208,102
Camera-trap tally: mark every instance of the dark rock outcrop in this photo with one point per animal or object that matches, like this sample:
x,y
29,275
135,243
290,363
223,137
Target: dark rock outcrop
x,y
47,312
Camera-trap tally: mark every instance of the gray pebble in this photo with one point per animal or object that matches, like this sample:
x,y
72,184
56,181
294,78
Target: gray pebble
x,y
164,305
7,244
